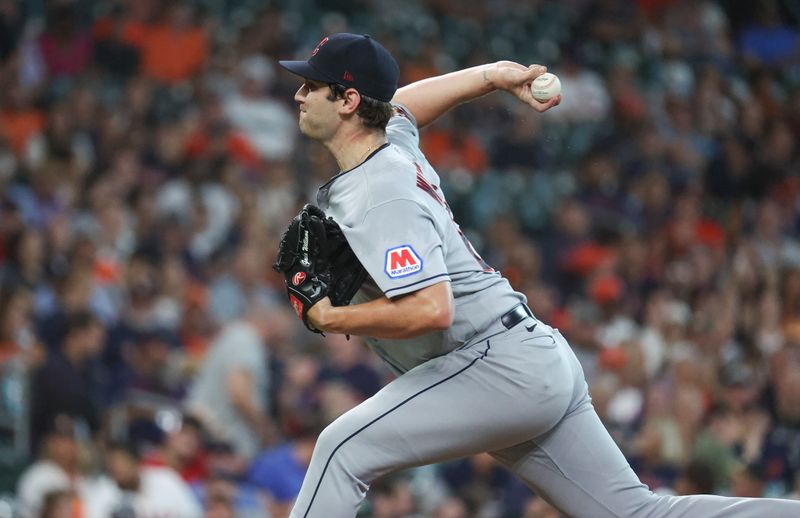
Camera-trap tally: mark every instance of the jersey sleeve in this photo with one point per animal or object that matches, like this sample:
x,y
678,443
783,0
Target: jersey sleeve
x,y
398,244
402,130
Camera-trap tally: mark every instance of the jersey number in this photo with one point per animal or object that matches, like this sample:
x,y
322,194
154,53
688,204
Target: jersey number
x,y
423,184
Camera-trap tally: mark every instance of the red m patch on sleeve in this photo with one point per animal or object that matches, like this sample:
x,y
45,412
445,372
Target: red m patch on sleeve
x,y
401,261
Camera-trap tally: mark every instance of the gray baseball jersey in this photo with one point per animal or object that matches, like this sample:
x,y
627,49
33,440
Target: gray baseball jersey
x,y
395,217
517,392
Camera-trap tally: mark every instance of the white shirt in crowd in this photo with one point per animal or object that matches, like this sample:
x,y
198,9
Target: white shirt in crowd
x,y
162,493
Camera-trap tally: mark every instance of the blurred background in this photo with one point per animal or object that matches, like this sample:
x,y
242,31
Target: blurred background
x,y
150,158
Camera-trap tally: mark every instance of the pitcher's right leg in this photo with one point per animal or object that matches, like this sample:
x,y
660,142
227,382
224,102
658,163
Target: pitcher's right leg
x,y
579,469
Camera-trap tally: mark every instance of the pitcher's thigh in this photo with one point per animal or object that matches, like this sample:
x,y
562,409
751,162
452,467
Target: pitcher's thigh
x,y
430,413
449,407
452,406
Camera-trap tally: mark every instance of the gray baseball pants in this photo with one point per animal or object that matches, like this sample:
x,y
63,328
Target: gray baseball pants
x,y
521,395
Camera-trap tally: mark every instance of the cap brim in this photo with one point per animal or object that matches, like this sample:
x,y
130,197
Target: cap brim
x,y
304,70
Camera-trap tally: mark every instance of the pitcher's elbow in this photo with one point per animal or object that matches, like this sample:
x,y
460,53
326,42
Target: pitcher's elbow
x,y
442,318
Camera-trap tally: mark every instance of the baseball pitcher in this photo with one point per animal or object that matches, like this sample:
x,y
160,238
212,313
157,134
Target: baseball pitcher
x,y
477,371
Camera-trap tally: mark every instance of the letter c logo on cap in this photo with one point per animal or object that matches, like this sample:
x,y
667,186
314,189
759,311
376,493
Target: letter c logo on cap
x,y
321,43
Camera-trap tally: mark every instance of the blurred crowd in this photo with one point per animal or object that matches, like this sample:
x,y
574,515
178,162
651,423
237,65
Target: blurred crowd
x,y
150,159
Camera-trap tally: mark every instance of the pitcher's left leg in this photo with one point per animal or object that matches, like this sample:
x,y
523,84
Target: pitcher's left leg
x,y
456,405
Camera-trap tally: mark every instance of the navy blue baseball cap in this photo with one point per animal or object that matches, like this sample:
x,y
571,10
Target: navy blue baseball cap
x,y
353,61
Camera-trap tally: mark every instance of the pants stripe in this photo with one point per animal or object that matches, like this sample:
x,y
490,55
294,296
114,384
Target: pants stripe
x,y
319,483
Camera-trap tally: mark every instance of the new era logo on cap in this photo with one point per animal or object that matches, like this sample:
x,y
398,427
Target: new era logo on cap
x,y
402,261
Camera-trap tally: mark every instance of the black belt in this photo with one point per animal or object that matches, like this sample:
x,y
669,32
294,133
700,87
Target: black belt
x,y
516,315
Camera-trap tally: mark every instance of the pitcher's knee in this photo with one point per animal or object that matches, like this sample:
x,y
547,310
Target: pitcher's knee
x,y
330,438
648,504
338,450
615,502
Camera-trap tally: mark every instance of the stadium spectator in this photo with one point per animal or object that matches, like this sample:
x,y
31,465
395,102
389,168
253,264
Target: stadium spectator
x,y
18,338
73,295
279,471
392,497
151,362
266,122
230,392
348,362
455,147
20,119
59,504
243,284
10,26
768,41
778,455
175,48
66,47
59,479
183,451
147,491
227,490
114,51
64,384
57,470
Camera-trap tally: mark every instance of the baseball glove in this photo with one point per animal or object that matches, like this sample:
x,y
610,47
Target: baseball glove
x,y
317,262
347,274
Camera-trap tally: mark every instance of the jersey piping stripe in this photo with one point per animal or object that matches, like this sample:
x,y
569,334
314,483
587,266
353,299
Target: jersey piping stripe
x,y
415,283
449,274
330,458
493,272
339,175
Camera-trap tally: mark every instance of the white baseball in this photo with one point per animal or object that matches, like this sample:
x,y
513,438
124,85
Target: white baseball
x,y
545,87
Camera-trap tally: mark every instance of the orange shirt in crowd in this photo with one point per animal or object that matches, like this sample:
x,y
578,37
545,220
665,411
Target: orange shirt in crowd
x,y
237,146
418,71
132,32
443,151
18,126
8,349
168,54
